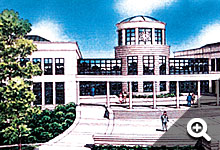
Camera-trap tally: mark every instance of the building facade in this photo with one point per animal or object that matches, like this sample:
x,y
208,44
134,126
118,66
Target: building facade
x,y
142,65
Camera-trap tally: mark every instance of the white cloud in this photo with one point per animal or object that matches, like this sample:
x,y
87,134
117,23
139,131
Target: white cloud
x,y
208,34
127,8
50,30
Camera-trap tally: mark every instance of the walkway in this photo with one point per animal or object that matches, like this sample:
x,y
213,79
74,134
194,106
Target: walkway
x,y
90,121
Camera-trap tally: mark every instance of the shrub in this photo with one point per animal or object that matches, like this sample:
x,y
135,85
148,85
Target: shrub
x,y
60,108
70,115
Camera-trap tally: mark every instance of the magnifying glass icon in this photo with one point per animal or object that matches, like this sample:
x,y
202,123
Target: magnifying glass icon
x,y
197,127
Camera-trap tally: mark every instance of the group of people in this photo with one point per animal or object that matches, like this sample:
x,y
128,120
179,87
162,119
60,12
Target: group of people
x,y
123,97
190,99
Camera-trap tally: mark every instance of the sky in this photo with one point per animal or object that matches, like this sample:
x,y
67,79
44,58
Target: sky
x,y
92,23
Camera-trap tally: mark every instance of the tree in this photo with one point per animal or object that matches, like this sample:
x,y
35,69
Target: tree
x,y
16,95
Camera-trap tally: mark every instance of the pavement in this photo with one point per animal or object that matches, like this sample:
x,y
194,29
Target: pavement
x,y
90,121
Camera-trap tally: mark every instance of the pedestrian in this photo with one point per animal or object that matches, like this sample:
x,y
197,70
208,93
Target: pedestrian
x,y
92,91
193,98
164,120
189,99
120,98
125,97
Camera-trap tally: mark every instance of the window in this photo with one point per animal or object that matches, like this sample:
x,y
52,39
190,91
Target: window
x,y
99,66
134,87
145,36
23,61
188,66
148,62
37,61
132,65
158,36
119,37
188,86
60,96
148,86
162,65
130,37
163,86
48,66
115,88
59,66
212,64
85,88
218,64
204,86
48,92
37,89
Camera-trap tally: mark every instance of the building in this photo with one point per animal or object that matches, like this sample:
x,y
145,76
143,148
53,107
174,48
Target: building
x,y
142,64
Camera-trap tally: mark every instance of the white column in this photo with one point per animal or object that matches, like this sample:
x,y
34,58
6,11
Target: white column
x,y
77,92
154,95
199,95
177,95
217,92
163,36
54,93
107,96
136,36
153,36
123,36
130,95
43,93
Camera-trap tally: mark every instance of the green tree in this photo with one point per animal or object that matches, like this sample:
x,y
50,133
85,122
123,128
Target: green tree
x,y
15,79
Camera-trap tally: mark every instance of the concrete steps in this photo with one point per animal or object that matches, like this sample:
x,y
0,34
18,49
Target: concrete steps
x,y
155,114
132,140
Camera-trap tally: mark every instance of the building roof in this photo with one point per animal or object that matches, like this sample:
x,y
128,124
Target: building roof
x,y
139,18
36,38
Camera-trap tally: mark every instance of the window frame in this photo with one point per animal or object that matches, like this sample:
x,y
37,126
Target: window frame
x,y
130,38
59,71
147,63
50,65
130,68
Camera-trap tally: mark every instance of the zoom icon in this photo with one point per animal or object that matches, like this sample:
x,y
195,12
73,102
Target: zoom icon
x,y
197,127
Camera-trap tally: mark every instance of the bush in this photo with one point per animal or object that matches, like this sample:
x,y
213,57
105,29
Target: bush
x,y
70,115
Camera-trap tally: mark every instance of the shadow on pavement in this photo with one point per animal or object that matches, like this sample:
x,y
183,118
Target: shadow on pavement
x,y
177,130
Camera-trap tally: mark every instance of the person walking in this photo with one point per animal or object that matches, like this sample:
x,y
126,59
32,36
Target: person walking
x,y
189,99
164,120
193,98
125,97
93,91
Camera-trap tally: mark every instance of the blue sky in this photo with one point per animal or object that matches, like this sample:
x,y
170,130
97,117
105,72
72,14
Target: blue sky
x,y
190,23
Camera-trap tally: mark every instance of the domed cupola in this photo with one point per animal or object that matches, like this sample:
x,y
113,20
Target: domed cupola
x,y
141,30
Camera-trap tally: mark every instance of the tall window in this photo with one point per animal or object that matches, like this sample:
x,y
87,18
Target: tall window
x,y
115,88
148,62
212,64
37,61
86,86
162,65
218,64
158,36
37,89
59,66
48,92
130,37
148,86
189,66
99,66
23,61
145,36
134,87
60,96
119,37
48,66
163,86
132,65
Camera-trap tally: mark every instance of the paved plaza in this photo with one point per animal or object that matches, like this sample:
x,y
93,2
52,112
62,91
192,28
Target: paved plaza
x,y
90,122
